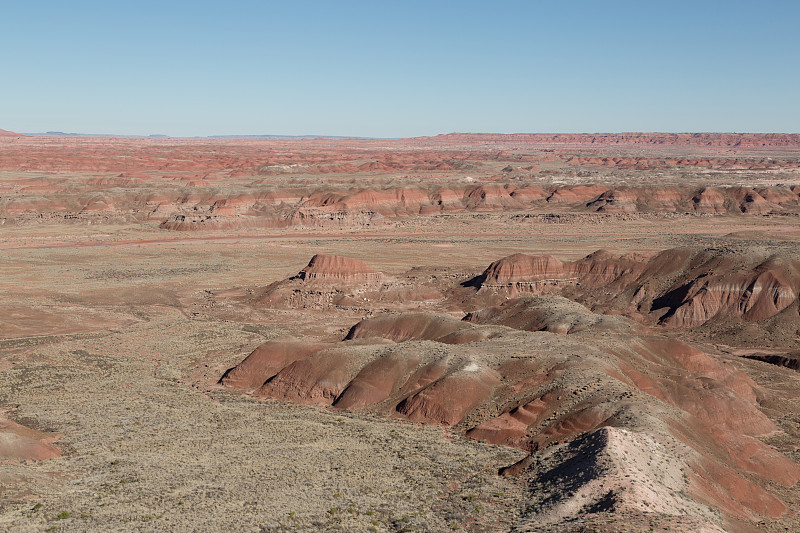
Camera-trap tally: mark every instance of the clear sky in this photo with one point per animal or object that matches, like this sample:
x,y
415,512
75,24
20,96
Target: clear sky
x,y
398,68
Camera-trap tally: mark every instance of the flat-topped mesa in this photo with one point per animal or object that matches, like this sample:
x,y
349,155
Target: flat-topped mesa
x,y
325,267
525,269
596,269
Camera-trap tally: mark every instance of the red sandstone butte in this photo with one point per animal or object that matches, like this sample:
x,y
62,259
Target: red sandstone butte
x,y
339,268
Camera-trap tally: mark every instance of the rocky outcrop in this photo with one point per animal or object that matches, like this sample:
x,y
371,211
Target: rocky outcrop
x,y
676,288
754,294
540,274
710,200
324,267
525,269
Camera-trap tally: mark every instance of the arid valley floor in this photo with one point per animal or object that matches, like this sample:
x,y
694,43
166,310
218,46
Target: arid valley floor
x,y
467,332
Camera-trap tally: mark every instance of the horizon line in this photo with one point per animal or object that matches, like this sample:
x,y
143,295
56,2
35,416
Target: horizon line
x,y
362,137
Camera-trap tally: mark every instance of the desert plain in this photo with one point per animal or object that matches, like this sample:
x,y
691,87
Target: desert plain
x,y
467,332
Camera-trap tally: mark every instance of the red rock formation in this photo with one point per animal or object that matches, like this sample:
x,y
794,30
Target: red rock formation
x,y
664,198
521,268
751,202
314,380
490,197
216,184
449,399
388,202
616,201
530,193
445,200
378,380
325,267
576,194
709,200
602,267
524,390
266,361
754,295
678,288
779,195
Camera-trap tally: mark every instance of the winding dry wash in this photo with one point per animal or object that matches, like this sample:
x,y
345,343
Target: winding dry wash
x,y
473,332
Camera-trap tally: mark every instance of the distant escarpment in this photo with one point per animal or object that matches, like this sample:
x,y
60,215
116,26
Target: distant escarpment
x,y
228,184
633,138
366,207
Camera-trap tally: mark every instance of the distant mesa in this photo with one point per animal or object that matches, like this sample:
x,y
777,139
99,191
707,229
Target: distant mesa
x,y
628,138
338,268
331,281
521,268
365,207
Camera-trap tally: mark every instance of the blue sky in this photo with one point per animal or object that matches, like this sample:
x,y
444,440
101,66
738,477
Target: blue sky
x,y
398,69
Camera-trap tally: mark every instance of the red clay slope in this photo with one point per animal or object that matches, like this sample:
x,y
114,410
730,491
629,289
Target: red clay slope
x,y
21,443
535,390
